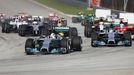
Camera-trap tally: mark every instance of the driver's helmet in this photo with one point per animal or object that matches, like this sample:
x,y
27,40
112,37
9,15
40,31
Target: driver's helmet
x,y
101,23
61,34
35,18
52,35
35,23
121,25
16,18
59,21
101,26
110,31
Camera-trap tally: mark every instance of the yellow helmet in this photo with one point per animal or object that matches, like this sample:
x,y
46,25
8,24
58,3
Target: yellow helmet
x,y
59,21
61,33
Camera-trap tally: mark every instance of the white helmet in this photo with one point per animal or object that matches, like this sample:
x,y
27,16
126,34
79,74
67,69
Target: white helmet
x,y
101,23
35,23
121,25
52,35
110,30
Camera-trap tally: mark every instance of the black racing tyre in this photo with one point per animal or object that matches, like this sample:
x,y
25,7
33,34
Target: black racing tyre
x,y
90,24
94,37
65,23
76,43
65,44
127,36
3,28
87,31
7,30
73,32
83,22
29,44
31,30
21,30
74,19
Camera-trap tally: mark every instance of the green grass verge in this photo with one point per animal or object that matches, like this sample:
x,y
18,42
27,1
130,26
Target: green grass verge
x,y
68,9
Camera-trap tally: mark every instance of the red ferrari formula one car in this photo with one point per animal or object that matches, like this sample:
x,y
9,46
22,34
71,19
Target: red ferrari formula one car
x,y
123,26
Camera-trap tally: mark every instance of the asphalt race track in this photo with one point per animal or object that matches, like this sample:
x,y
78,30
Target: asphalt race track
x,y
91,61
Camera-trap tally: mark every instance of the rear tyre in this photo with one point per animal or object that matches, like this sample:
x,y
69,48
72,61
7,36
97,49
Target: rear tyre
x,y
65,44
3,28
83,22
94,38
22,29
127,36
7,28
29,44
73,32
76,43
87,30
65,23
74,19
